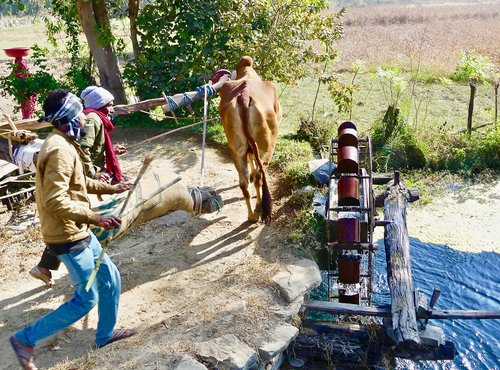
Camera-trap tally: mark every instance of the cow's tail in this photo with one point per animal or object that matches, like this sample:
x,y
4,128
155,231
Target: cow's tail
x,y
244,102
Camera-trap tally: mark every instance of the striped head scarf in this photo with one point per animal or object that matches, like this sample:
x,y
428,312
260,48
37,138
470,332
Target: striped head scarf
x,y
67,114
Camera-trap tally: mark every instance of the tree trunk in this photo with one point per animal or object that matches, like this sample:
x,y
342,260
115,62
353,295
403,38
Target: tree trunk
x,y
133,12
94,17
472,85
399,275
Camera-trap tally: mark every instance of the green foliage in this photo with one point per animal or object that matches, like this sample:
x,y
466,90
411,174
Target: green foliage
x,y
183,43
308,231
341,94
292,158
393,84
468,155
473,67
215,133
39,81
318,133
401,149
12,6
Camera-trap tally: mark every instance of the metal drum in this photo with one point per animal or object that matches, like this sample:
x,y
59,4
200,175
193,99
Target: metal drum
x,y
348,159
348,191
349,230
347,135
343,298
349,269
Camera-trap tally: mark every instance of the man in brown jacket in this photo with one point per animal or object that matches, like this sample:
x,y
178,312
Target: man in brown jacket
x,y
65,215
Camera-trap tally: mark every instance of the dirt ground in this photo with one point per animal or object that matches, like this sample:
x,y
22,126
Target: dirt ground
x,y
191,279
184,281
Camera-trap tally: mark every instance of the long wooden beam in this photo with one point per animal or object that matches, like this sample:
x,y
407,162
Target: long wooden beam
x,y
176,101
385,311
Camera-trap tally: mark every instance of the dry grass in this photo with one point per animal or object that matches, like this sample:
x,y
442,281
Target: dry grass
x,y
433,34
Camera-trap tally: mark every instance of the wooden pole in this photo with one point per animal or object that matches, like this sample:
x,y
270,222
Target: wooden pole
x,y
472,85
399,275
145,164
178,100
385,311
133,146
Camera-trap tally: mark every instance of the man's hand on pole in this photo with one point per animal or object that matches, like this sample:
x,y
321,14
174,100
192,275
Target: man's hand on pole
x,y
122,186
109,222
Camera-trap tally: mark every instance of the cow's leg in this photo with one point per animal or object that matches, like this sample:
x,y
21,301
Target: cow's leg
x,y
241,165
257,183
256,178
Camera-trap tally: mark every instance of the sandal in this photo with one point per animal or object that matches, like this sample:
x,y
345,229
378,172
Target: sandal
x,y
37,274
206,199
117,335
24,353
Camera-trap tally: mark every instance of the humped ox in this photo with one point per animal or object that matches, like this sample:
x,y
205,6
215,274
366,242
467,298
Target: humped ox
x,y
250,113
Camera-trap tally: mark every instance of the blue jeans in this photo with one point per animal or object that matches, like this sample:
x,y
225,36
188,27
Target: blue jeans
x,y
105,292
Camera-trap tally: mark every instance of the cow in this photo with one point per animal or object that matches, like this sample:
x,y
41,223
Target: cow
x,y
250,114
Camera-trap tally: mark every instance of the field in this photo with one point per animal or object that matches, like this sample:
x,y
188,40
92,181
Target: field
x,y
424,41
427,34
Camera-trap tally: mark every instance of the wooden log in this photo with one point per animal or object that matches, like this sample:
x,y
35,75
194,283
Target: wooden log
x,y
446,351
27,124
136,107
179,100
385,311
399,275
347,309
382,178
336,344
464,315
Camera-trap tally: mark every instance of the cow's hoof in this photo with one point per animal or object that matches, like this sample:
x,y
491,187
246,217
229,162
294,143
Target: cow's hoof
x,y
253,218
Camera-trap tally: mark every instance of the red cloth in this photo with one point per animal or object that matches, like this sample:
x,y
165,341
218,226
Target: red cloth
x,y
112,165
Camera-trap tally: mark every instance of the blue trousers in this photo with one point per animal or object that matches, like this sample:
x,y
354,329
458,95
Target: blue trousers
x,y
105,292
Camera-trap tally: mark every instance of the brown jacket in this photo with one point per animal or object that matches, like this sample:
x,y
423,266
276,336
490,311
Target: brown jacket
x,y
61,191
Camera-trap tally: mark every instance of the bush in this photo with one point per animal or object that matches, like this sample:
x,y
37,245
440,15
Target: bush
x,y
292,158
39,81
400,150
469,154
318,133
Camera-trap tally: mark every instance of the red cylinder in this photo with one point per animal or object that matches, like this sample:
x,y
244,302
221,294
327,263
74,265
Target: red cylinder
x,y
346,124
353,299
349,269
349,230
348,159
348,191
347,135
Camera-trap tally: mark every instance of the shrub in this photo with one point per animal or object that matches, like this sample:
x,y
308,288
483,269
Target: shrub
x,y
40,81
292,158
308,231
469,155
318,132
473,66
401,150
